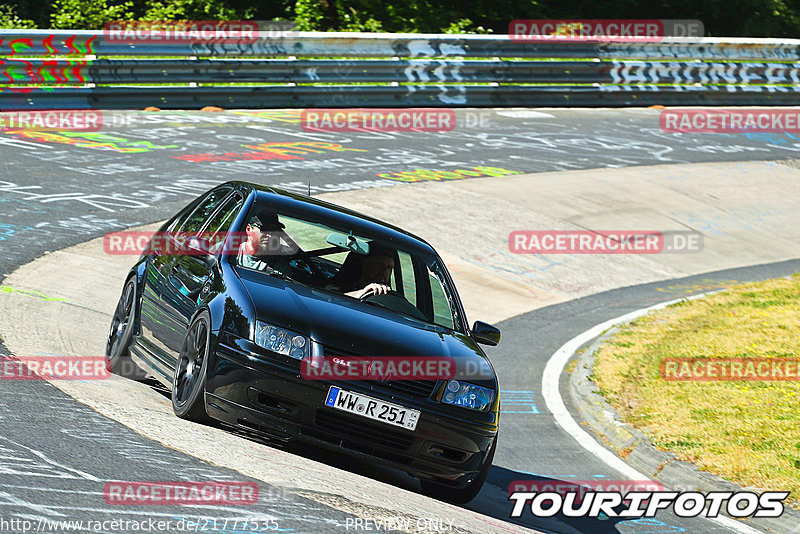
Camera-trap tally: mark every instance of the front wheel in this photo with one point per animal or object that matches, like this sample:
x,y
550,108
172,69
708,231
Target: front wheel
x,y
468,492
189,383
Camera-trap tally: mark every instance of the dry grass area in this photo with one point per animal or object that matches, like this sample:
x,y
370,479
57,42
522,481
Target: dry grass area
x,y
746,432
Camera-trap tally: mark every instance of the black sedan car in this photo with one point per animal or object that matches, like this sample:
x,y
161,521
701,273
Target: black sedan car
x,y
288,280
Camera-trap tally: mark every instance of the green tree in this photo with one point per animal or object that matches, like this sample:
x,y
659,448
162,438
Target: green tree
x,y
311,15
465,26
194,10
734,18
10,19
88,14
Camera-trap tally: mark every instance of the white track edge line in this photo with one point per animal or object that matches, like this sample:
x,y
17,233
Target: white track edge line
x,y
552,397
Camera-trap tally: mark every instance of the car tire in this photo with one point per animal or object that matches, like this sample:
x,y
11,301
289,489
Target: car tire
x,y
463,495
189,381
120,335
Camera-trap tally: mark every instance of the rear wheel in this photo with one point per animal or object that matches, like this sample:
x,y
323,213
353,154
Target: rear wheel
x,y
120,335
189,383
468,492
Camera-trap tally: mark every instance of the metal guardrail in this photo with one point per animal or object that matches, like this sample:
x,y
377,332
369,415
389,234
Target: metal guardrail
x,y
79,69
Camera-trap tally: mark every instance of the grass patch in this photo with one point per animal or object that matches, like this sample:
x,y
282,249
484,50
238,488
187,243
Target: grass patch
x,y
746,432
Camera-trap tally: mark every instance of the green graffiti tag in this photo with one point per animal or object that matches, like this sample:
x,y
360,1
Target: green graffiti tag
x,y
31,293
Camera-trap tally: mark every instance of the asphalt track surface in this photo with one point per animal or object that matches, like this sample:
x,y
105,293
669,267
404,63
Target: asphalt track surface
x,y
57,190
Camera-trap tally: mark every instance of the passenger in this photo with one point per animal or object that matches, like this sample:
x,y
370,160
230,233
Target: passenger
x,y
360,274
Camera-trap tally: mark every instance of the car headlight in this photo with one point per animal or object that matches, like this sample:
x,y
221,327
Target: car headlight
x,y
467,395
281,341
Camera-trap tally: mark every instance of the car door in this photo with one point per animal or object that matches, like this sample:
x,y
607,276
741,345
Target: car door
x,y
156,271
189,272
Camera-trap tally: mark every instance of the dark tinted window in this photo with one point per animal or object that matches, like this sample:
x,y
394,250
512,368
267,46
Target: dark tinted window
x,y
222,220
206,208
181,217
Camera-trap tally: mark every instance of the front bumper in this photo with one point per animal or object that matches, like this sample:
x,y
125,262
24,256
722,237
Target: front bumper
x,y
251,388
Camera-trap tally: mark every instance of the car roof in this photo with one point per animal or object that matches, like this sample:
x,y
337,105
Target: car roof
x,y
336,215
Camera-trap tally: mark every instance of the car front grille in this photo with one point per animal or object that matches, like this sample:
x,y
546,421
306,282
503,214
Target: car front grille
x,y
415,389
411,388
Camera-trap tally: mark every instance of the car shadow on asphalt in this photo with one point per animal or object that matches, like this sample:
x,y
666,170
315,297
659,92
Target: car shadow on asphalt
x,y
157,386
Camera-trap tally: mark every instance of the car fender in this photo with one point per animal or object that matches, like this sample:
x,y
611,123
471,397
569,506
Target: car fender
x,y
218,302
138,272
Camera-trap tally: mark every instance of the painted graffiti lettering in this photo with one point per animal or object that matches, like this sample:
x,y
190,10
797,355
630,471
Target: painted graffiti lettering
x,y
18,143
31,293
103,202
418,175
67,156
726,149
291,116
7,230
99,141
10,187
233,156
267,151
110,168
651,72
304,187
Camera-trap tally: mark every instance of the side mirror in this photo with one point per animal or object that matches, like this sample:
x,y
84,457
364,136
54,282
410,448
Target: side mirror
x,y
485,333
210,260
199,248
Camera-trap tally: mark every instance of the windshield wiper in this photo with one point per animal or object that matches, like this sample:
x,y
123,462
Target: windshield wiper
x,y
276,273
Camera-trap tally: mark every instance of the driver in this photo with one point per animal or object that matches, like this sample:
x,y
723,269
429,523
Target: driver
x,y
263,250
371,273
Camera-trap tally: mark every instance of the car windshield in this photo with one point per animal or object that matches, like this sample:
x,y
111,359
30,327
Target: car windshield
x,y
339,261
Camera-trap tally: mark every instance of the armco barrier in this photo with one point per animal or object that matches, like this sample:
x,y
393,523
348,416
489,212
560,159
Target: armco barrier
x,y
79,69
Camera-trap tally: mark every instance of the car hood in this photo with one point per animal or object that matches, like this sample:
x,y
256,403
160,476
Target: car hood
x,y
342,324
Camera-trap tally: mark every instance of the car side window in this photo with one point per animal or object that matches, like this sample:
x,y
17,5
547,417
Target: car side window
x,y
442,306
180,218
204,211
223,218
221,221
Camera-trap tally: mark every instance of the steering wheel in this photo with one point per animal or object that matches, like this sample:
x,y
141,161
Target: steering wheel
x,y
393,301
371,293
307,266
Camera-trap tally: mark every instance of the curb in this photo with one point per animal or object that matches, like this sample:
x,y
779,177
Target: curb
x,y
635,448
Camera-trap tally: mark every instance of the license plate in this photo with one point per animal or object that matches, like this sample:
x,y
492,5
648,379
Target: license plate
x,y
376,409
